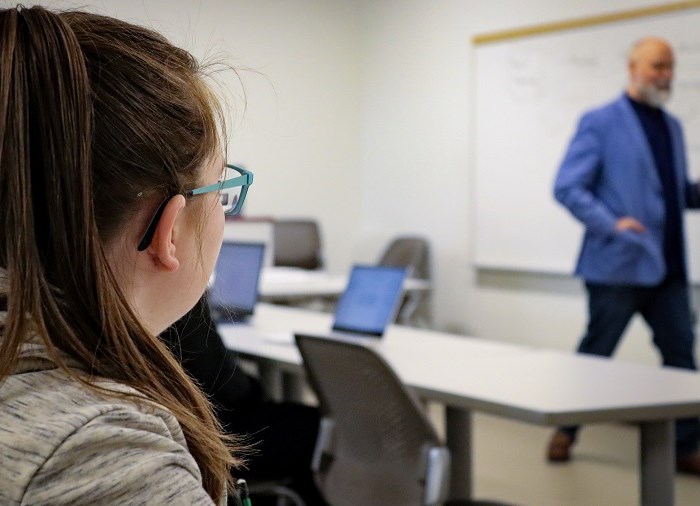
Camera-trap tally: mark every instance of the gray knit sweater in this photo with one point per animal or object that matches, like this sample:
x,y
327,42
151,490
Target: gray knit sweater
x,y
61,443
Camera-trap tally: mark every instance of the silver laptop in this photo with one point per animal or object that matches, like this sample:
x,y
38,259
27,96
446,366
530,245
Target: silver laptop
x,y
233,291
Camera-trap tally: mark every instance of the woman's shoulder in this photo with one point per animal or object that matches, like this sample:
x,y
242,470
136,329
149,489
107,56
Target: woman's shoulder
x,y
60,439
29,399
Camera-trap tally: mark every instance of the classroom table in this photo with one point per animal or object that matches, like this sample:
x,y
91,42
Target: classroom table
x,y
286,284
539,386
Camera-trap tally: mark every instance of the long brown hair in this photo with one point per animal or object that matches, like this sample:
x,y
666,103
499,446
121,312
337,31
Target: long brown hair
x,y
98,118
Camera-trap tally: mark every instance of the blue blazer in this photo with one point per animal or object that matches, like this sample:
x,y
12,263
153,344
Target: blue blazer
x,y
609,172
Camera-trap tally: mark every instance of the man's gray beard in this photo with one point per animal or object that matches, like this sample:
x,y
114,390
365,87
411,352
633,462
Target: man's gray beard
x,y
654,96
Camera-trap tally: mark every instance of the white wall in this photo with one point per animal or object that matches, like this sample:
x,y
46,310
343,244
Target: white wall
x,y
361,114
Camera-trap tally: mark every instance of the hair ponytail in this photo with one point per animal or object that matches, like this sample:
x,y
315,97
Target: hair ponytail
x,y
45,175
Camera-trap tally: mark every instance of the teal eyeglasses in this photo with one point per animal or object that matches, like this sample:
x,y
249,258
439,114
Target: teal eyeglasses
x,y
232,189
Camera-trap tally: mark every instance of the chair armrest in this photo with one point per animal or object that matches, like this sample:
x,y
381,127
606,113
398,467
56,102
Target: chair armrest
x,y
437,475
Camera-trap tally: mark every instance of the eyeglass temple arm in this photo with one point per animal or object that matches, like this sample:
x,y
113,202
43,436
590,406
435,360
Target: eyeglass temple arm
x,y
151,229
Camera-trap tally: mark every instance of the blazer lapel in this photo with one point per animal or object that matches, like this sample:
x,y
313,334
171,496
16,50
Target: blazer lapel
x,y
679,162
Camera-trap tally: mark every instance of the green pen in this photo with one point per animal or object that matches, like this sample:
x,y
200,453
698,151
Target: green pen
x,y
242,486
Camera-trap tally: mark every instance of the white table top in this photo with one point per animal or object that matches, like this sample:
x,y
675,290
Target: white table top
x,y
289,283
529,384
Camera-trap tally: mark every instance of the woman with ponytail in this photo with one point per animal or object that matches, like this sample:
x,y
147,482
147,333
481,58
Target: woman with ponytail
x,y
113,191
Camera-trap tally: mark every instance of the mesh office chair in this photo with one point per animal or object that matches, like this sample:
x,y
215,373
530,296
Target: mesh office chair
x,y
413,253
375,445
297,243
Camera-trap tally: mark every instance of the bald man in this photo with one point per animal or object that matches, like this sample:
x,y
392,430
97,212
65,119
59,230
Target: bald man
x,y
624,178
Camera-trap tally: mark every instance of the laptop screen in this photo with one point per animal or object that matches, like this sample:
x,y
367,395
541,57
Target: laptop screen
x,y
370,300
233,290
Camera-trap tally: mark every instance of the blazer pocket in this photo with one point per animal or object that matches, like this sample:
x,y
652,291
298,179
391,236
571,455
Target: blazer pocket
x,y
622,250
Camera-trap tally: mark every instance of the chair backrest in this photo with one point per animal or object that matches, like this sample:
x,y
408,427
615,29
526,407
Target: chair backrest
x,y
297,244
412,252
376,446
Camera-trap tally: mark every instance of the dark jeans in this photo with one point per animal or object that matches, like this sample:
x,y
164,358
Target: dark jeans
x,y
666,309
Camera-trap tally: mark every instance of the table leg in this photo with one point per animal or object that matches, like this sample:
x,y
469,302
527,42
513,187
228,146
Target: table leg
x,y
657,463
459,441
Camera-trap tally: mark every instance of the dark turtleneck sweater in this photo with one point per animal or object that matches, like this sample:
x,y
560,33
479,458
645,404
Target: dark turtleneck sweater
x,y
658,135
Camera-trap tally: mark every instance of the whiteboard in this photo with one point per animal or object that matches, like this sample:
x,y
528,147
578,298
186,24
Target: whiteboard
x,y
530,93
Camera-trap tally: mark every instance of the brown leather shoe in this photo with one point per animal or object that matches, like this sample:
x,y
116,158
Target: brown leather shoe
x,y
559,449
689,464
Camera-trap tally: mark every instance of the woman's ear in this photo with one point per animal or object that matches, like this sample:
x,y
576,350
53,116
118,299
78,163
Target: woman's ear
x,y
162,249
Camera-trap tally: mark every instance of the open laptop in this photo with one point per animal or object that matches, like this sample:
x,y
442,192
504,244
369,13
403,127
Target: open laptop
x,y
370,301
367,306
233,290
